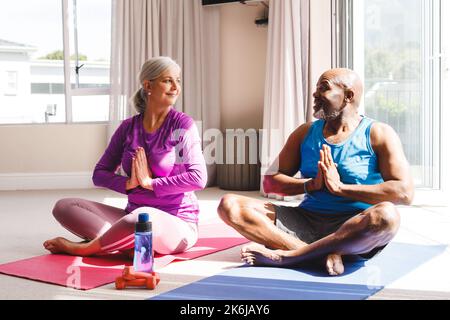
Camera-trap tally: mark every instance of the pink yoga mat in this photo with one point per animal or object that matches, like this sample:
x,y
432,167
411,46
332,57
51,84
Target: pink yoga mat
x,y
86,273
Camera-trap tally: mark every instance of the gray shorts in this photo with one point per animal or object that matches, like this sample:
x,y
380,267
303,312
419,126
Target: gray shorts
x,y
310,226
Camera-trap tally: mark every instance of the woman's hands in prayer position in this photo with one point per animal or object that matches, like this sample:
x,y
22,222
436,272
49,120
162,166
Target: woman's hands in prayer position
x,y
141,174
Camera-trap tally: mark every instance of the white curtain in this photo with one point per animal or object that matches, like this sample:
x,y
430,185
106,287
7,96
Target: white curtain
x,y
182,29
286,102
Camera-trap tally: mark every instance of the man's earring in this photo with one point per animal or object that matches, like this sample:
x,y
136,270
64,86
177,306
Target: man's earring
x,y
149,93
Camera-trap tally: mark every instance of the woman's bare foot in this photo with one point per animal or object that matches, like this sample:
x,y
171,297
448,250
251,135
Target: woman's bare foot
x,y
257,255
334,265
62,245
59,245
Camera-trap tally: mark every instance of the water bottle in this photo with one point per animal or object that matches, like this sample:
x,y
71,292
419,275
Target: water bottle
x,y
143,249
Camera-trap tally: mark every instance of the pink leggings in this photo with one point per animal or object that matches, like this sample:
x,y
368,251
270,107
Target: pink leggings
x,y
115,228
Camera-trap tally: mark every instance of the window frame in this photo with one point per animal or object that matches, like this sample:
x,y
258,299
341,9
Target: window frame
x,y
444,58
70,92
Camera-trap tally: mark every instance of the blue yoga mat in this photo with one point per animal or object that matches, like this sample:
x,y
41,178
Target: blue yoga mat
x,y
360,280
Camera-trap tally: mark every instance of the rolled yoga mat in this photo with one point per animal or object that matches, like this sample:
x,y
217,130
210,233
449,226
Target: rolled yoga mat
x,y
86,273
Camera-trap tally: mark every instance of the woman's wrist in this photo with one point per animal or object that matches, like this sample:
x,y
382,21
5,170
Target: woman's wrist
x,y
148,184
129,185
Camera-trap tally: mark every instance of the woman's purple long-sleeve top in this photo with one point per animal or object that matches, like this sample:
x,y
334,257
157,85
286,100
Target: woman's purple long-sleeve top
x,y
175,159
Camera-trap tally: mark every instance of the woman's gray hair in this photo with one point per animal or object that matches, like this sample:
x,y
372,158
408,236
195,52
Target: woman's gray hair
x,y
151,70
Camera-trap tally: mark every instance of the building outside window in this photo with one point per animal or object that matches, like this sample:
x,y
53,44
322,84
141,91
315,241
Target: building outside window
x,y
11,83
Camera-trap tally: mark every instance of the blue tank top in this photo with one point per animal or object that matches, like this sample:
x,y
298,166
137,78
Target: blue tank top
x,y
357,164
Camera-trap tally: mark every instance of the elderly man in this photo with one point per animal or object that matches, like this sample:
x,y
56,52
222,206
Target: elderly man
x,y
354,172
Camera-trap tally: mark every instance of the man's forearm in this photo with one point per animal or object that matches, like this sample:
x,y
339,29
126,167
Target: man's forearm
x,y
396,192
284,185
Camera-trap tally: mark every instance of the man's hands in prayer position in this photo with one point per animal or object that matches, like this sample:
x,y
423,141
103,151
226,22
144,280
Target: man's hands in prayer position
x,y
327,174
330,174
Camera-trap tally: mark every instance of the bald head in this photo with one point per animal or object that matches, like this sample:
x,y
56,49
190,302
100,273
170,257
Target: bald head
x,y
346,79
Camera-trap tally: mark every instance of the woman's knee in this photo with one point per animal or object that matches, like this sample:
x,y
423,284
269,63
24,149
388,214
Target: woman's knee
x,y
159,219
62,208
154,215
163,245
170,235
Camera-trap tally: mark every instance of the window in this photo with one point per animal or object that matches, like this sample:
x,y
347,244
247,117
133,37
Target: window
x,y
396,45
54,61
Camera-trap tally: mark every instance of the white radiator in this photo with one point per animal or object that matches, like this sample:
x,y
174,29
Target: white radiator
x,y
241,169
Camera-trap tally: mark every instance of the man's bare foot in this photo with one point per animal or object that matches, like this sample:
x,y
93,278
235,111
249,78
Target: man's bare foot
x,y
334,265
257,255
62,245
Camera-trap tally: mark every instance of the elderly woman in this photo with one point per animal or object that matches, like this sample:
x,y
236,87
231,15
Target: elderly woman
x,y
160,151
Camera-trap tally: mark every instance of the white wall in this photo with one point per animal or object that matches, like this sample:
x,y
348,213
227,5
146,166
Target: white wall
x,y
243,65
56,155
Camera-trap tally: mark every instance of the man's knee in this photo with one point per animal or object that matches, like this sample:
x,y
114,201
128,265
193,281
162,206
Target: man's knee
x,y
384,217
228,208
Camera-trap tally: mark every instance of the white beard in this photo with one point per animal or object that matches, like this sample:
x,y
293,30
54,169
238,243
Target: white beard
x,y
320,114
